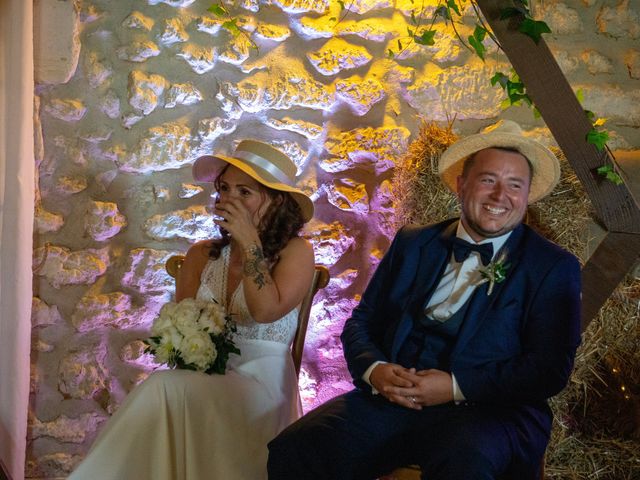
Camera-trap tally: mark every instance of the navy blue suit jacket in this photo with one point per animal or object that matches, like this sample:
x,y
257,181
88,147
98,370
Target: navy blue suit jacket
x,y
516,346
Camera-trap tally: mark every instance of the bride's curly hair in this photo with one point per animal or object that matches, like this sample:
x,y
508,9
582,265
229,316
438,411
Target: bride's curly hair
x,y
281,222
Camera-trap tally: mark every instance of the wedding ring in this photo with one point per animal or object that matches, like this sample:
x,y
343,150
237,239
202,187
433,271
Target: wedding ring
x,y
413,399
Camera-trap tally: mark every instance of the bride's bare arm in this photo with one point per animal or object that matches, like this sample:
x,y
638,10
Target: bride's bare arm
x,y
189,275
270,295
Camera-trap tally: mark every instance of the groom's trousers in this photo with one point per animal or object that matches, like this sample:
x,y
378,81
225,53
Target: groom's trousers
x,y
359,436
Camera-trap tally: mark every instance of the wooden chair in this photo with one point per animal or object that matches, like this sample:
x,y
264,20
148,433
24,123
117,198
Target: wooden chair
x,y
320,280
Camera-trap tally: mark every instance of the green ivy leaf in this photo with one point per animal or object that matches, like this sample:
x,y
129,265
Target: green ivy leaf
x,y
232,26
536,113
590,115
610,174
598,138
453,6
534,28
500,78
426,38
475,41
580,95
217,9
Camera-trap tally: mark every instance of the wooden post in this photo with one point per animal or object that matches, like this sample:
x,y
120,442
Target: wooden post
x,y
615,206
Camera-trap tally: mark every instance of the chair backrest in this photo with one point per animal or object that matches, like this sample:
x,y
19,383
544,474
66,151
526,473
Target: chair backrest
x,y
320,280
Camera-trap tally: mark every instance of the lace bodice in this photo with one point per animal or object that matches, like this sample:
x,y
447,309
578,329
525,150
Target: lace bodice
x,y
213,286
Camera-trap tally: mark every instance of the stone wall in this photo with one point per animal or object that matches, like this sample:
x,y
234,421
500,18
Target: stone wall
x,y
131,92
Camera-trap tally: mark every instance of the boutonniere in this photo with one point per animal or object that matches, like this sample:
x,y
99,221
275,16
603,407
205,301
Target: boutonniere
x,y
495,272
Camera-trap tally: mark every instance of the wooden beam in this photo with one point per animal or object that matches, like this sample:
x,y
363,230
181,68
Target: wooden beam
x,y
606,268
553,96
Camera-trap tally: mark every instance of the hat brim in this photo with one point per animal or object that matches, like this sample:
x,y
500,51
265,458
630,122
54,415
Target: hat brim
x,y
546,168
207,168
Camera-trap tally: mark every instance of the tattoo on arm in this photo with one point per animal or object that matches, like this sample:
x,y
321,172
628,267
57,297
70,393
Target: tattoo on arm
x,y
255,266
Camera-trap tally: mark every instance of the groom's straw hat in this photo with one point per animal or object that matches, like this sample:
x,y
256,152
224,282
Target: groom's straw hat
x,y
505,134
263,163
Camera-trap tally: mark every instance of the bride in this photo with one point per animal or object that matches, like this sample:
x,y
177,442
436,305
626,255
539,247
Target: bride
x,y
181,424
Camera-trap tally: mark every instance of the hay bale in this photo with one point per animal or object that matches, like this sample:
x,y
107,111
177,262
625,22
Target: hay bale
x,y
596,431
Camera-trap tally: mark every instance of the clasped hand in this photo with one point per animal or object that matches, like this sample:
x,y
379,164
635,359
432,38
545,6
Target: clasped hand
x,y
412,388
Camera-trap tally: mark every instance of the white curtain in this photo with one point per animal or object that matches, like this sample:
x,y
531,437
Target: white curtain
x,y
16,227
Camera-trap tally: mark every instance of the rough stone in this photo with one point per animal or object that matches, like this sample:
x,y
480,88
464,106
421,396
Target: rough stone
x,y
47,221
69,110
619,21
209,25
360,94
173,32
330,242
302,6
138,21
281,90
162,147
209,130
173,3
337,55
236,51
65,429
70,184
51,465
138,51
103,220
200,59
146,273
182,94
348,195
567,62
596,62
188,190
373,149
96,70
621,107
193,223
109,104
364,6
97,311
144,90
311,28
44,315
461,91
632,62
56,41
275,33
372,29
310,130
81,373
61,266
562,20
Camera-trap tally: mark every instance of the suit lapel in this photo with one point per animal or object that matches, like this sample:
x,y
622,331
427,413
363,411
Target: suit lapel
x,y
431,261
480,302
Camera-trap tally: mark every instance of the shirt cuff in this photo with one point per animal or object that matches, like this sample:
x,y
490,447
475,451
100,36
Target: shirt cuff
x,y
458,396
367,374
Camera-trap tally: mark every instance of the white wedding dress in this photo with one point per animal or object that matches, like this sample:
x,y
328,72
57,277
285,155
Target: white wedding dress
x,y
180,424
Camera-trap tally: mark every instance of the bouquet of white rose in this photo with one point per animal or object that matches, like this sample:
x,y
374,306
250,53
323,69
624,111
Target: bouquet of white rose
x,y
193,335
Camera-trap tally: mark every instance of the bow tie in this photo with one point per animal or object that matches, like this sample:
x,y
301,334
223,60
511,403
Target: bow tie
x,y
462,249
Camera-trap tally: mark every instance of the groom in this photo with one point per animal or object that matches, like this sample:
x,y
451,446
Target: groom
x,y
465,330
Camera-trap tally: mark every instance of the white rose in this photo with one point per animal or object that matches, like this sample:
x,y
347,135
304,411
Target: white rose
x,y
199,350
212,319
186,316
162,352
164,320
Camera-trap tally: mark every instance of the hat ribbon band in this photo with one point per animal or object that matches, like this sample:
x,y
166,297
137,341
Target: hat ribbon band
x,y
264,164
